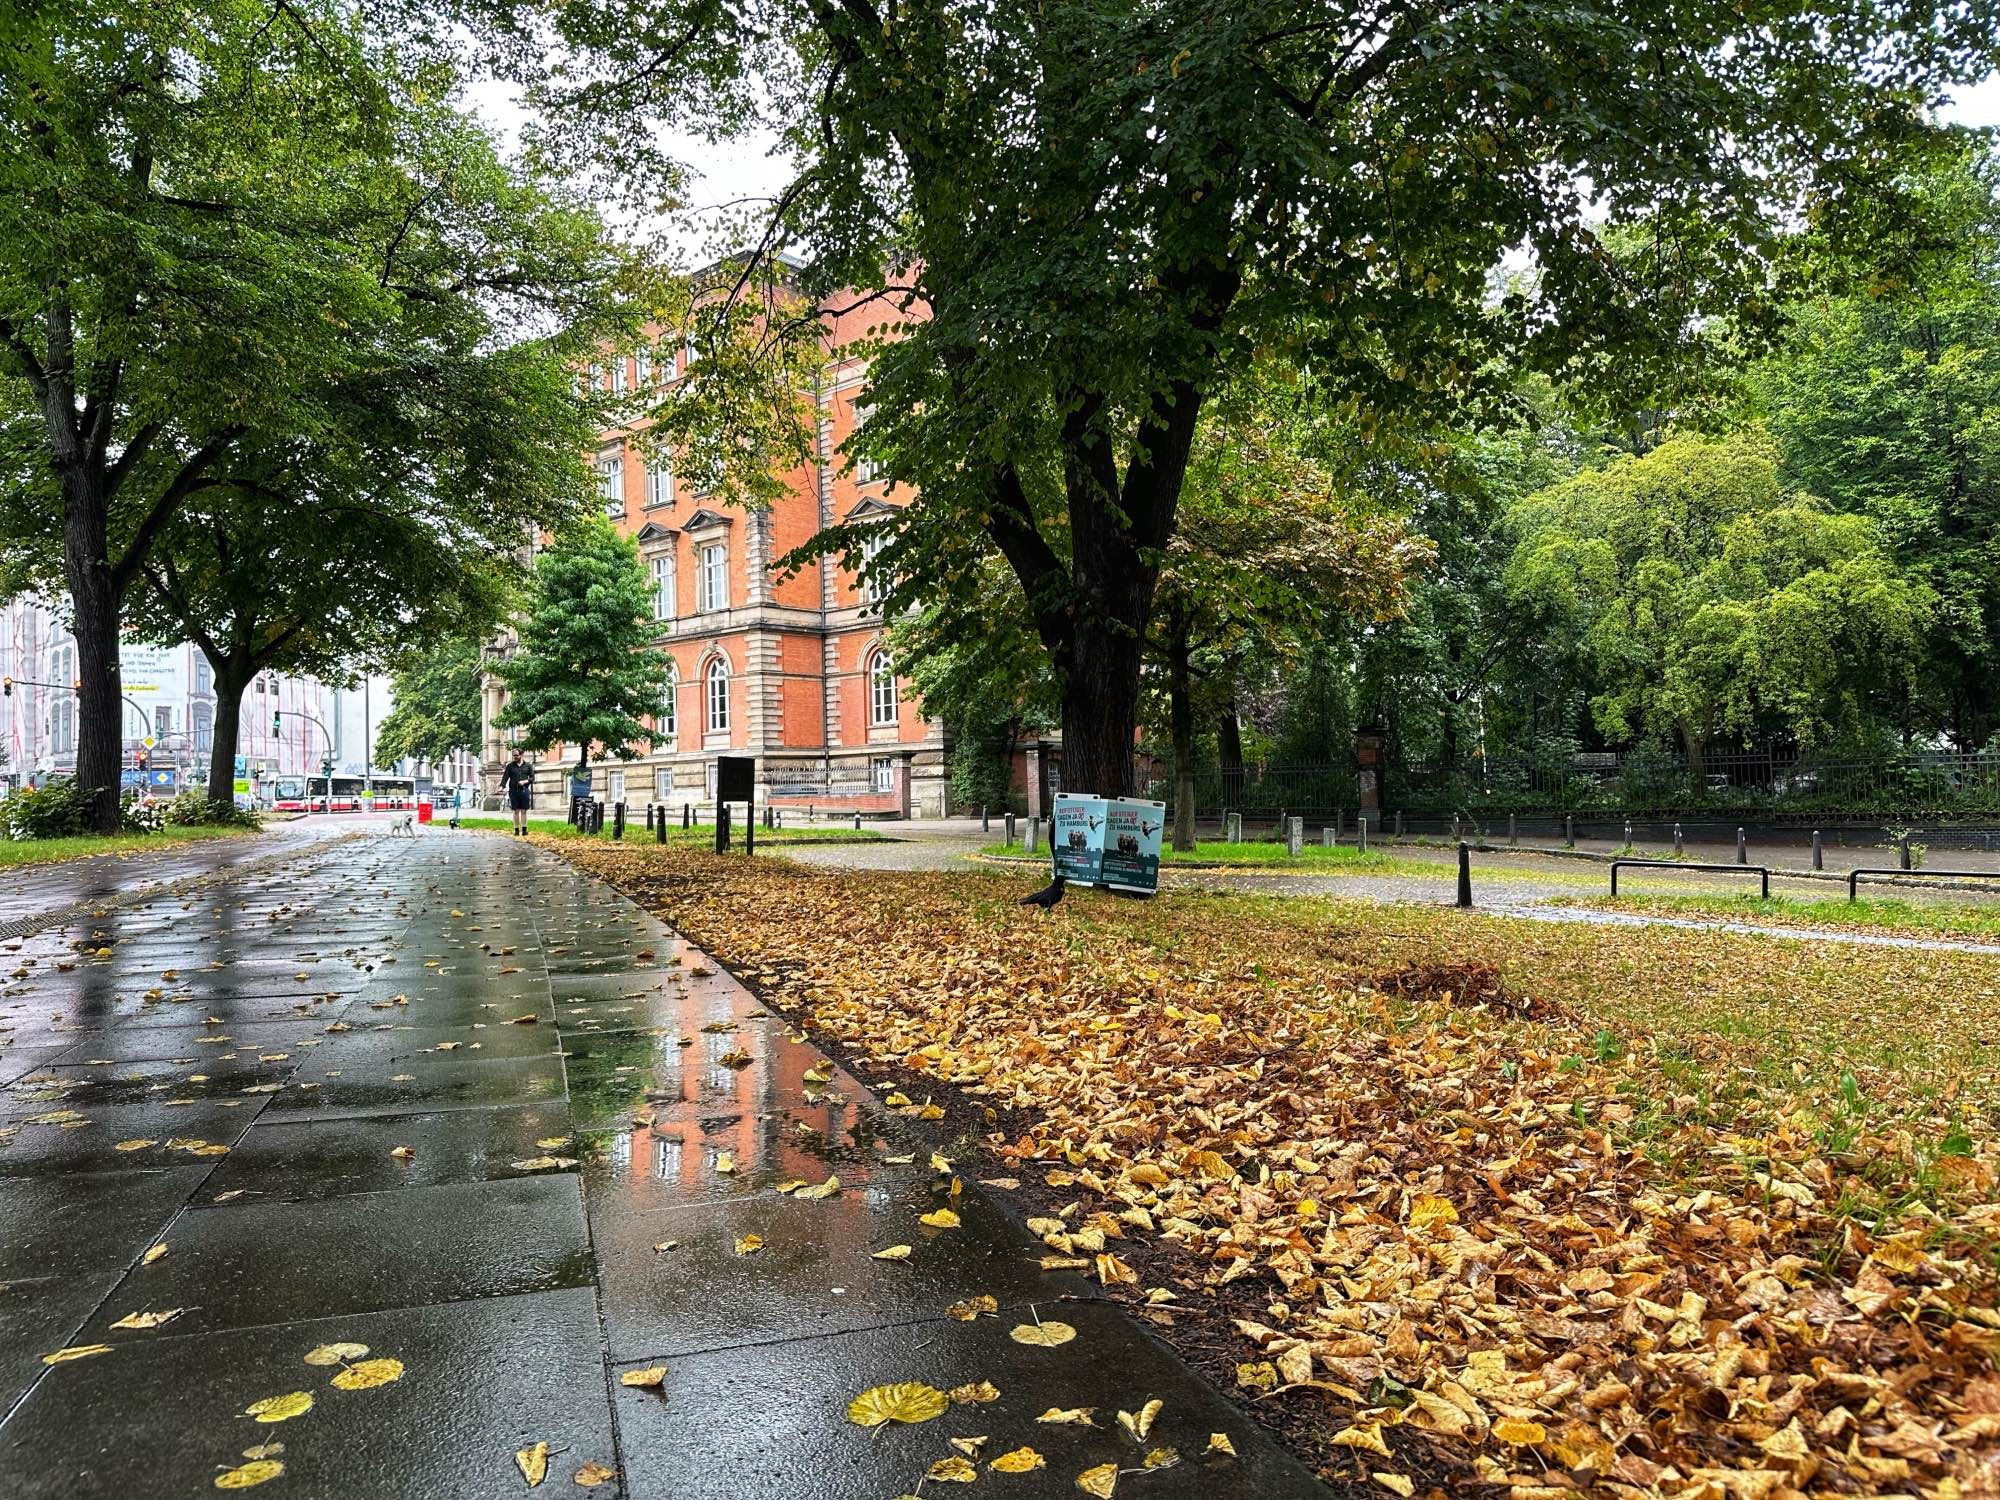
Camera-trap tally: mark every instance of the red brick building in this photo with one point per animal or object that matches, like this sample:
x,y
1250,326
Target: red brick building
x,y
794,671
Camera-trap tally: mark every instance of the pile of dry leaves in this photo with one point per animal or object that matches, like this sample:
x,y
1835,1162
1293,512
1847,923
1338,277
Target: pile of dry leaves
x,y
1420,1223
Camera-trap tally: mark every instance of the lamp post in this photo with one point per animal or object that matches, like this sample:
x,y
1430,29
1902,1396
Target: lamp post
x,y
278,714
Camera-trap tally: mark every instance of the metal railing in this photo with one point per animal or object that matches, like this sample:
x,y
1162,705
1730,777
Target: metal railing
x,y
1989,877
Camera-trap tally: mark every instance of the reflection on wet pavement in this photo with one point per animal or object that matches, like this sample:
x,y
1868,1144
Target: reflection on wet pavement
x,y
452,1100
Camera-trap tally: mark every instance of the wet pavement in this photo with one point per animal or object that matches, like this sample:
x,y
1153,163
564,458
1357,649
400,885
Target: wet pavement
x,y
455,1102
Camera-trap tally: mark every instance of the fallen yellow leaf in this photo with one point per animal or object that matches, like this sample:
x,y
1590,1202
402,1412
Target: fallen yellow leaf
x,y
905,1401
1100,1481
1045,1335
1020,1461
533,1463
650,1378
280,1408
244,1475
369,1374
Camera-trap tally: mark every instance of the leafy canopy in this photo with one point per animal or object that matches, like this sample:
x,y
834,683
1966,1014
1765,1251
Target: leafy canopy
x,y
437,703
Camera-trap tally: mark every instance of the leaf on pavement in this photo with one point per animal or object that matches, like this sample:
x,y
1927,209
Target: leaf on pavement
x,y
1045,1335
243,1476
336,1354
533,1463
148,1319
972,1307
905,1401
953,1470
894,1252
651,1378
369,1374
1020,1461
592,1474
1138,1424
1079,1416
974,1393
75,1351
941,1218
750,1244
280,1408
1100,1481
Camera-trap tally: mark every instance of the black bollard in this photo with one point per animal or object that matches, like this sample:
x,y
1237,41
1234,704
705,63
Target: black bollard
x,y
1819,858
618,822
1513,832
1742,849
1464,873
985,819
1569,830
1905,843
1399,824
1677,841
660,827
687,815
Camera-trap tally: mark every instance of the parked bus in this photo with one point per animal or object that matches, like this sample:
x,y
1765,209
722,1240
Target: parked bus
x,y
342,794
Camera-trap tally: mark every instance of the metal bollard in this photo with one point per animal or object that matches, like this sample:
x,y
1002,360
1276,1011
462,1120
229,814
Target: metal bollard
x,y
660,827
857,822
1742,849
1904,843
985,819
1513,832
649,817
1361,835
618,822
1464,873
687,815
1677,841
1454,825
1819,857
1399,824
1339,823
1569,830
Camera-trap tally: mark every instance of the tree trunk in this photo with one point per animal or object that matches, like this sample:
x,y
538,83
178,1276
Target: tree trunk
x,y
1100,713
94,621
1229,750
1180,717
229,688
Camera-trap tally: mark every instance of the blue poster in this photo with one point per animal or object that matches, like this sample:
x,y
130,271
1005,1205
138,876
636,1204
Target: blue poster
x,y
579,784
1077,838
1132,829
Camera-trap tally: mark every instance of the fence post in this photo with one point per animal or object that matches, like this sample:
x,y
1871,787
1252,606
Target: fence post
x,y
1819,859
1464,873
1678,850
1742,849
1513,832
1295,836
1569,830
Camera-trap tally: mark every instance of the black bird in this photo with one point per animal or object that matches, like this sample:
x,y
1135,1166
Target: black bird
x,y
1048,896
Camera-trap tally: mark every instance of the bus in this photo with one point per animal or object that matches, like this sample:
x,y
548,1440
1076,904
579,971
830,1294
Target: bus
x,y
342,794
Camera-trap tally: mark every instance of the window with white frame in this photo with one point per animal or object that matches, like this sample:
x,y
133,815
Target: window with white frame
x,y
663,586
618,374
659,482
642,365
204,676
881,689
715,576
202,717
611,480
718,696
882,774
666,721
872,587
864,467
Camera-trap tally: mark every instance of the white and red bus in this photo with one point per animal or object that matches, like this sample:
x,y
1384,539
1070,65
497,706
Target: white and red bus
x,y
342,794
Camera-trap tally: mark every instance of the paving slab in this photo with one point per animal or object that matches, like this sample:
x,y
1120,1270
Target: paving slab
x,y
480,1380
295,1159
108,1138
242,1265
770,1419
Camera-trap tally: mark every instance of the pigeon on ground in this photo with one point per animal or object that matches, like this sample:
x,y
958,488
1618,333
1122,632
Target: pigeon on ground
x,y
1048,896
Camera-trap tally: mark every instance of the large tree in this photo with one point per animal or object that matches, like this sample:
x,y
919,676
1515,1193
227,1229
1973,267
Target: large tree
x,y
436,702
584,671
1086,214
221,228
1711,602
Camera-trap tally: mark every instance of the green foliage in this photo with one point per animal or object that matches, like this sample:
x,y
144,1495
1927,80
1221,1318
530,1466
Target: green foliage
x,y
194,809
1084,217
1710,602
585,672
58,810
437,703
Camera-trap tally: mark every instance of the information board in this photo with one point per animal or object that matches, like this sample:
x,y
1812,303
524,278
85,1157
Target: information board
x,y
735,778
1077,838
1132,828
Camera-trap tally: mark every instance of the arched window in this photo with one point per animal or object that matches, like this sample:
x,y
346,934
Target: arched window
x,y
881,689
666,721
718,696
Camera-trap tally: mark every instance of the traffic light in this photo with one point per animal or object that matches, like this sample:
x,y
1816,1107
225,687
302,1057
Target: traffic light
x,y
142,760
276,718
326,766
6,687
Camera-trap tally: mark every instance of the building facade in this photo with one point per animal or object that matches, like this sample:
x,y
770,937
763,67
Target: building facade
x,y
170,699
792,670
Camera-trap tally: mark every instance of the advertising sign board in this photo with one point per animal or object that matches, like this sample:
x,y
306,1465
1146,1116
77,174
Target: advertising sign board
x,y
1077,839
1131,858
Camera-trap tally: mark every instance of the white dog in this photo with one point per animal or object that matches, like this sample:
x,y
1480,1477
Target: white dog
x,y
405,825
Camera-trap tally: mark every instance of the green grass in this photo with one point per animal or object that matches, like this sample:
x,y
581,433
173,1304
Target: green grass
x,y
1913,918
55,851
702,835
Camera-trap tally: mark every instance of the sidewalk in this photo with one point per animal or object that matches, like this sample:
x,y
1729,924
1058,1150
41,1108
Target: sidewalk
x,y
454,1101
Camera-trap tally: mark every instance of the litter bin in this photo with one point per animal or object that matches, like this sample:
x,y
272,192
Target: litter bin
x,y
423,812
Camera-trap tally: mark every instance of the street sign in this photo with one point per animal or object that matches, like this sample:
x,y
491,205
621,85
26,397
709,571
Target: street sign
x,y
1132,830
147,742
1077,839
